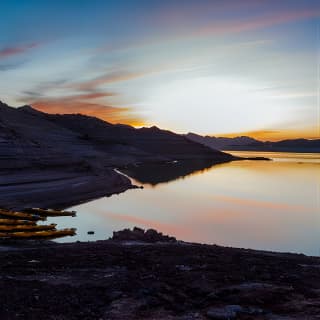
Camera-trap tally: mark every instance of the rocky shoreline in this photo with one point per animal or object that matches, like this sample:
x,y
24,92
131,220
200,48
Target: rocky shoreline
x,y
58,188
145,275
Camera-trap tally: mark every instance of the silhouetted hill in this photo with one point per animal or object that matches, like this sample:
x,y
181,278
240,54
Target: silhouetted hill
x,y
220,143
144,142
249,144
296,145
28,140
32,138
56,161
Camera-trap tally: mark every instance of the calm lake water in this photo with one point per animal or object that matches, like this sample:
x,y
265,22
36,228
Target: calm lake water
x,y
270,205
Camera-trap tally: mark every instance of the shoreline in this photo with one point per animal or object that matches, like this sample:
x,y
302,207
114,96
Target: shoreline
x,y
62,187
58,188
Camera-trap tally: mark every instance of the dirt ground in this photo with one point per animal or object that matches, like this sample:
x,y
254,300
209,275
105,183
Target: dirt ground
x,y
118,279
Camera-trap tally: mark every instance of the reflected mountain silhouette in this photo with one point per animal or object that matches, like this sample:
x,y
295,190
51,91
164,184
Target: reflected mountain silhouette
x,y
156,173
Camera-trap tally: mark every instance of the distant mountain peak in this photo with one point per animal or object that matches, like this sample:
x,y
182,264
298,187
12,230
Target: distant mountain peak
x,y
29,109
26,107
153,128
2,104
247,143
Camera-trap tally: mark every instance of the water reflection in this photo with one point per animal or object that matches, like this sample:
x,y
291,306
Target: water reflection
x,y
154,174
271,205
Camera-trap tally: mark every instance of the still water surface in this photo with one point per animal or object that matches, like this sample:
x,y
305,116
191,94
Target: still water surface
x,y
271,205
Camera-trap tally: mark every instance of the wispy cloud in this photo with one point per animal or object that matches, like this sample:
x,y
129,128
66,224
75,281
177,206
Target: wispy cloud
x,y
87,99
9,66
216,27
107,78
12,51
234,26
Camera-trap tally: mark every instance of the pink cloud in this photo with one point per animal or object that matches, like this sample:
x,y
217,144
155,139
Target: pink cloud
x,y
107,79
176,18
11,51
257,23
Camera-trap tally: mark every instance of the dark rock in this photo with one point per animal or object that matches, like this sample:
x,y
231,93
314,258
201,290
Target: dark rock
x,y
138,234
109,280
226,312
258,158
138,231
222,313
254,310
114,295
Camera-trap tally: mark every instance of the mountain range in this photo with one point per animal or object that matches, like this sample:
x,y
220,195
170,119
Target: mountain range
x,y
245,143
29,137
59,160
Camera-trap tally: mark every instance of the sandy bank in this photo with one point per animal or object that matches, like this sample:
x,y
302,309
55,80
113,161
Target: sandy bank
x,y
57,188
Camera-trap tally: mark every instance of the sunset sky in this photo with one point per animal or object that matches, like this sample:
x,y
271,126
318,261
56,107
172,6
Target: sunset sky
x,y
207,66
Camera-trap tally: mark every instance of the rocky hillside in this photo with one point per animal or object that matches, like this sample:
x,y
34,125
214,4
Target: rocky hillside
x,y
31,138
144,142
28,140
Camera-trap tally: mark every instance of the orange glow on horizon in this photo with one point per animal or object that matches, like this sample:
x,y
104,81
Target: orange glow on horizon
x,y
115,115
127,116
275,135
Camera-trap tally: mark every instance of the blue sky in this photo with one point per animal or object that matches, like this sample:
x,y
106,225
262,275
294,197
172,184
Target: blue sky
x,y
212,67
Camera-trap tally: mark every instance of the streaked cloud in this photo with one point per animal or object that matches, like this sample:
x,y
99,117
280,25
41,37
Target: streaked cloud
x,y
9,66
12,51
249,24
107,78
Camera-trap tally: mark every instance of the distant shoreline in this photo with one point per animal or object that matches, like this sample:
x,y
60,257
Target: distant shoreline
x,y
271,150
246,143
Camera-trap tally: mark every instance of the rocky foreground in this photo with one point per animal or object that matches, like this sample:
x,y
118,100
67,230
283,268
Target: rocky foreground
x,y
145,275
